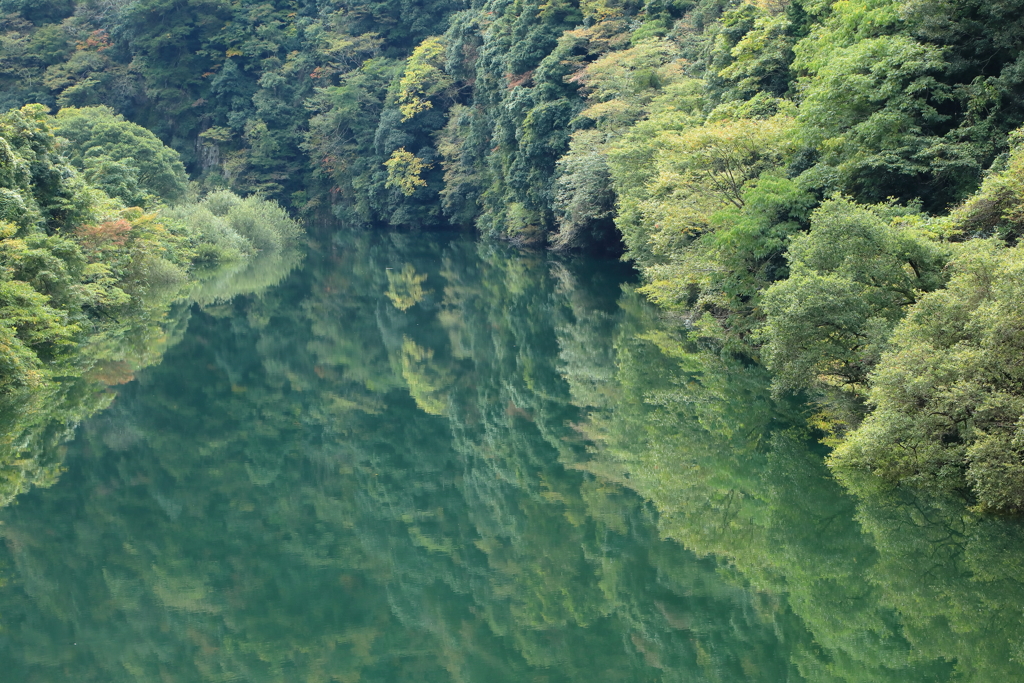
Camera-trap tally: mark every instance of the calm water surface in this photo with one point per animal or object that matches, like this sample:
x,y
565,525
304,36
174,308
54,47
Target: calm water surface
x,y
415,461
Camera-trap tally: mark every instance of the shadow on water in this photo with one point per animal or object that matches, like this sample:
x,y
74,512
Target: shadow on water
x,y
423,461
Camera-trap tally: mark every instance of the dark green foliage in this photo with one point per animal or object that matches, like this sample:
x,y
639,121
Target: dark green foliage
x,y
896,100
38,12
342,133
39,188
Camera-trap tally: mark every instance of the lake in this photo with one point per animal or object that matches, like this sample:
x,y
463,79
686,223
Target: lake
x,y
431,459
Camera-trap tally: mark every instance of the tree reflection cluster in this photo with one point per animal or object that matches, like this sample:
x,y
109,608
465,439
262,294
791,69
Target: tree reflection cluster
x,y
450,461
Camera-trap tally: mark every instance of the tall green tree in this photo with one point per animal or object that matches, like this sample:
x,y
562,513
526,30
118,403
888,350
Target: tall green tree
x,y
123,159
853,277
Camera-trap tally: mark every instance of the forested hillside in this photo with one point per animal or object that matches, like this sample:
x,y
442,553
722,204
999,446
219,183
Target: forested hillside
x,y
533,120
831,187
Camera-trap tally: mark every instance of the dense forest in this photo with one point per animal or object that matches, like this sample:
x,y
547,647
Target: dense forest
x,y
832,188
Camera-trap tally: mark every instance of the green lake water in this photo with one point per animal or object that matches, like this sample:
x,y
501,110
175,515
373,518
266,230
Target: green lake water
x,y
427,461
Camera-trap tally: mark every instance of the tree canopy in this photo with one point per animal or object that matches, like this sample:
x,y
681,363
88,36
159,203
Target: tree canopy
x,y
791,178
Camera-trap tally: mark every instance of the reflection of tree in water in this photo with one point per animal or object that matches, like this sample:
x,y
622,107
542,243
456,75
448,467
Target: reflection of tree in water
x,y
274,503
36,423
954,576
887,585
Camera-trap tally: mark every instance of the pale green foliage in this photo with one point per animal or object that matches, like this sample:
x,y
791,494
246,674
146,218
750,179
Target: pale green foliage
x,y
405,288
49,285
264,223
870,92
423,78
845,24
226,227
117,177
30,325
949,397
707,168
41,189
428,382
584,197
19,366
74,261
718,277
217,240
621,85
404,171
220,203
15,194
38,303
633,156
250,276
875,109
